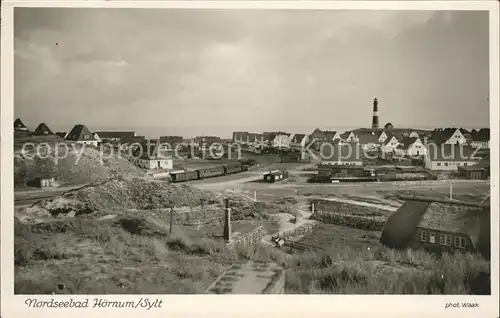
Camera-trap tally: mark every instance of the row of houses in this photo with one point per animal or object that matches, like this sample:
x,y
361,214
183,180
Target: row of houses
x,y
151,155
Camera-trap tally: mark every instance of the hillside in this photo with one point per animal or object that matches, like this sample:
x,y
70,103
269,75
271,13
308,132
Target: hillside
x,y
81,165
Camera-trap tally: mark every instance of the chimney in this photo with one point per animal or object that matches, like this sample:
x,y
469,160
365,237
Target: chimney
x,y
227,221
375,114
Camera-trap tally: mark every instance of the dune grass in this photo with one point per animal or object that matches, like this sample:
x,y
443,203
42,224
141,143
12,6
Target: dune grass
x,y
131,254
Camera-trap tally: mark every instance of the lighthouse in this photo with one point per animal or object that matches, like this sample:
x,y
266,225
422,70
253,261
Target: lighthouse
x,y
375,114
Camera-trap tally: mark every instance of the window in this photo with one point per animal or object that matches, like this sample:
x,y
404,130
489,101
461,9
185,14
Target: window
x,y
423,236
432,238
446,164
439,164
445,240
86,137
465,164
460,242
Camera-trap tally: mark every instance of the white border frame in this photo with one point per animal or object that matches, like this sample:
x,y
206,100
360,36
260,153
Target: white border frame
x,y
282,305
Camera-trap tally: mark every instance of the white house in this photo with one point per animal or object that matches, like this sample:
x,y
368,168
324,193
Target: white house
x,y
412,147
389,145
449,136
414,134
96,136
153,156
368,140
80,134
282,140
349,136
382,137
449,157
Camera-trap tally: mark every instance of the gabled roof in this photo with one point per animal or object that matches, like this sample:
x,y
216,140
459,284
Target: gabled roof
x,y
80,133
43,129
440,215
61,134
446,152
388,140
342,152
19,125
439,135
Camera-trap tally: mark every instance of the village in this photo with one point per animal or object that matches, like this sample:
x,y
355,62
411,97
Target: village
x,y
394,199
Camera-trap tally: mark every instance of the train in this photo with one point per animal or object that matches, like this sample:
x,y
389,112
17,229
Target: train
x,y
203,173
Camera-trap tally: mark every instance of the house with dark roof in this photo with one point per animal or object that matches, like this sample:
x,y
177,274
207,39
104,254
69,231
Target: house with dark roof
x,y
481,139
19,125
81,134
411,147
117,136
282,140
43,179
298,140
348,136
450,157
42,130
479,171
389,145
439,224
450,136
368,140
153,156
341,154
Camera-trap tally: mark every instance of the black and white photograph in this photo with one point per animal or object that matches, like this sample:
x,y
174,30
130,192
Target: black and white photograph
x,y
252,151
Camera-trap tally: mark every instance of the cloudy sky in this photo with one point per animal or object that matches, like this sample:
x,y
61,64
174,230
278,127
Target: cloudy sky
x,y
224,69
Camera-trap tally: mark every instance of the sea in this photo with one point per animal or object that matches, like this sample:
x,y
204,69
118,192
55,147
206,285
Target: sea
x,y
227,131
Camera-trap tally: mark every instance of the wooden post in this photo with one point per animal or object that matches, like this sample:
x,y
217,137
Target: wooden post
x,y
451,190
171,219
312,207
255,195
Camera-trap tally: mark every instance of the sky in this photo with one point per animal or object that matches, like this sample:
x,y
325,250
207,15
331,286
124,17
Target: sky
x,y
186,71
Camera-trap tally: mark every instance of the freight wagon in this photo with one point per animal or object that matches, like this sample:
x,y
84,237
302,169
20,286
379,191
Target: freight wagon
x,y
210,172
180,176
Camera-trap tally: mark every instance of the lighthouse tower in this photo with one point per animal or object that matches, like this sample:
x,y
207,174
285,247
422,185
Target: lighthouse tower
x,y
375,114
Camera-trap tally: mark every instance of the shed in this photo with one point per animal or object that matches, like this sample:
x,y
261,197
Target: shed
x,y
439,224
42,180
276,175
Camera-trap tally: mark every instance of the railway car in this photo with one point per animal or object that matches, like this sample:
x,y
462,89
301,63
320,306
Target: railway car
x,y
233,168
181,176
210,172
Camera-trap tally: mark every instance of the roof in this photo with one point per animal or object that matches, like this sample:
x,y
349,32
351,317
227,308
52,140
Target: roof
x,y
61,134
368,138
297,138
19,125
345,152
43,129
323,134
440,215
406,142
440,135
117,134
481,135
152,150
446,152
80,132
388,140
